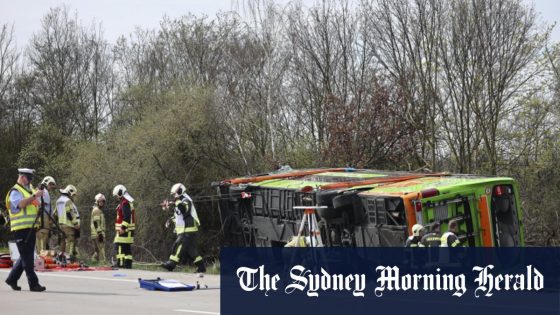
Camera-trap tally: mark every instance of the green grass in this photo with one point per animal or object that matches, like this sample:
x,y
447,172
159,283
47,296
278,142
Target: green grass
x,y
212,269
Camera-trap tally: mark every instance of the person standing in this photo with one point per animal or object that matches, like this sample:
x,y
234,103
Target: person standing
x,y
22,203
124,227
98,227
432,239
449,238
69,221
415,239
47,185
186,227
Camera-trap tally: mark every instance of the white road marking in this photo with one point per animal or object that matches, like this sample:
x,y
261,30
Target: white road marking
x,y
197,312
77,277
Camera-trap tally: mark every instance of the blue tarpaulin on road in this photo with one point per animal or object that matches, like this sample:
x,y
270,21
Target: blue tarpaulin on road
x,y
164,285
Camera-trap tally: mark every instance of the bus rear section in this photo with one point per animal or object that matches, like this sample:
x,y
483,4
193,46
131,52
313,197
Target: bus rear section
x,y
487,211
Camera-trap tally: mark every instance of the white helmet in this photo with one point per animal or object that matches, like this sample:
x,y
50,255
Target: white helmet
x,y
417,229
99,197
70,190
178,189
48,180
119,191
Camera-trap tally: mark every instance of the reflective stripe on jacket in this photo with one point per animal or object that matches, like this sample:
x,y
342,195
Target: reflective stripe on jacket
x,y
449,239
67,212
185,222
97,222
125,221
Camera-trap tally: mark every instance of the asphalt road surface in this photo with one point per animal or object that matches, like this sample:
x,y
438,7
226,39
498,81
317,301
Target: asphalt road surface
x,y
108,292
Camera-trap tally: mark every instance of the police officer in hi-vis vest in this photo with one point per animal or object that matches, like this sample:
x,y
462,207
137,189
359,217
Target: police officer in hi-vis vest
x,y
22,202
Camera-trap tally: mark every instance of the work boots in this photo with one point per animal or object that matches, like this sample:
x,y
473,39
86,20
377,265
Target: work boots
x,y
200,268
37,288
61,260
13,285
128,263
169,265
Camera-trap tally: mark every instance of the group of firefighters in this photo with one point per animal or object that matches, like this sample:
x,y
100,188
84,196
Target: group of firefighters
x,y
32,217
434,238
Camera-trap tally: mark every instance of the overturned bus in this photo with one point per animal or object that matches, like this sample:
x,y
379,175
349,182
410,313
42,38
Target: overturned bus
x,y
368,208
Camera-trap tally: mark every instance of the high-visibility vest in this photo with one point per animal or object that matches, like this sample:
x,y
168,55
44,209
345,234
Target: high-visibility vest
x,y
185,223
65,207
25,218
445,239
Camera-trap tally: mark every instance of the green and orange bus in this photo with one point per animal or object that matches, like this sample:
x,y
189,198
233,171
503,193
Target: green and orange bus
x,y
369,208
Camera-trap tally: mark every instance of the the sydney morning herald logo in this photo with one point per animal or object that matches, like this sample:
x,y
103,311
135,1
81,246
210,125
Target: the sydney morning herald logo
x,y
389,278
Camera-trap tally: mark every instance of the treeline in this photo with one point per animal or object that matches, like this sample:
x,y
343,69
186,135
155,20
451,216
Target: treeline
x,y
460,86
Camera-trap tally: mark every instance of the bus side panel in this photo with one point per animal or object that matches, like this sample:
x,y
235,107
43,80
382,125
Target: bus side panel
x,y
485,225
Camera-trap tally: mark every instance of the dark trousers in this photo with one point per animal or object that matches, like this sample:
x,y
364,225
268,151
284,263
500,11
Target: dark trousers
x,y
185,246
124,255
26,260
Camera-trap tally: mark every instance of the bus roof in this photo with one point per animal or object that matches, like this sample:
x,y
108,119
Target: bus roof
x,y
443,184
321,179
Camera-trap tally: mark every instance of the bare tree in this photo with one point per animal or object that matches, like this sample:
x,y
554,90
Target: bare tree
x,y
8,58
508,39
8,70
330,58
406,36
73,70
460,62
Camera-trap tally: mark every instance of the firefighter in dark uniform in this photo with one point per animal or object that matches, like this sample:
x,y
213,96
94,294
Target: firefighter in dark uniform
x,y
186,227
22,202
432,239
415,239
124,227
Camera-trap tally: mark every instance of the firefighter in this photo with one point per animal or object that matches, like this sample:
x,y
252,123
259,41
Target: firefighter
x,y
124,226
98,227
449,238
186,227
415,239
48,184
432,239
22,203
69,221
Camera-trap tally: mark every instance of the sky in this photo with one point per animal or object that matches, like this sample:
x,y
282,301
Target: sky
x,y
121,17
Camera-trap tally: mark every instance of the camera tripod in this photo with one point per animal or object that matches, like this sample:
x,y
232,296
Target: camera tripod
x,y
313,230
